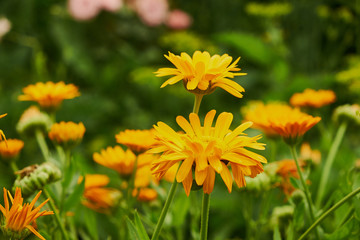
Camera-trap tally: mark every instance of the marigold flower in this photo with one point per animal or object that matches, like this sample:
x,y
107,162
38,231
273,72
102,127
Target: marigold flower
x,y
207,150
97,197
287,169
19,218
261,114
116,158
49,95
145,194
203,73
313,98
136,140
11,148
67,134
143,176
2,135
306,153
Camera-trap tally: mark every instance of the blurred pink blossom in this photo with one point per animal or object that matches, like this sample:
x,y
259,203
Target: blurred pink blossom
x,y
178,19
5,26
111,5
152,12
87,9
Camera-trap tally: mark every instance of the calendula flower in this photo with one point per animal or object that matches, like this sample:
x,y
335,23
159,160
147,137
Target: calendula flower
x,y
20,218
97,197
11,148
49,95
262,114
2,135
203,73
116,158
207,150
287,169
145,194
136,140
308,154
143,176
33,119
67,134
313,98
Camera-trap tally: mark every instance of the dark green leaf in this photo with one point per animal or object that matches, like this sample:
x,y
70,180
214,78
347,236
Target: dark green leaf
x,y
140,227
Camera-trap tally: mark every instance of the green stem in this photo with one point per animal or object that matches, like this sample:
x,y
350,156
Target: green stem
x,y
13,166
329,162
303,183
205,216
56,215
198,98
42,144
164,211
333,208
131,185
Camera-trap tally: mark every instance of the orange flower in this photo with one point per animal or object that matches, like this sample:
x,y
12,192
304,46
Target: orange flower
x,y
116,158
312,98
145,194
207,150
49,95
11,149
18,218
287,169
306,153
203,73
136,140
143,176
2,135
67,133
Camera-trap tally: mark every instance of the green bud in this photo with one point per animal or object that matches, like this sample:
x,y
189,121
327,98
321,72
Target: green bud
x,y
12,234
31,120
281,215
347,113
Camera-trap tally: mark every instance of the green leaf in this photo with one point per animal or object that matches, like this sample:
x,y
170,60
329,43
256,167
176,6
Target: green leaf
x,y
277,235
295,183
133,232
180,209
347,231
299,216
90,222
74,199
140,227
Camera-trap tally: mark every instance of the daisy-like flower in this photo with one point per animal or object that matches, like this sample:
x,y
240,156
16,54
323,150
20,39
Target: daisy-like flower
x,y
97,197
145,194
2,135
49,95
203,73
308,154
136,140
67,134
11,149
313,98
20,218
287,169
116,158
261,115
207,150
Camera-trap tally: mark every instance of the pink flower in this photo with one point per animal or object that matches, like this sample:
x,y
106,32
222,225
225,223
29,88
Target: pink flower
x,y
178,19
5,26
152,12
111,5
84,9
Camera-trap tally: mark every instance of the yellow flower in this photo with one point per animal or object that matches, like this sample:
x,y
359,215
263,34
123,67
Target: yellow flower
x,y
116,158
145,194
19,218
206,150
313,98
11,149
2,135
97,197
67,133
49,95
261,115
143,176
203,73
136,140
308,154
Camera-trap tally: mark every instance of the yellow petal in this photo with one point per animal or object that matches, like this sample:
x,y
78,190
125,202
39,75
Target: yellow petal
x,y
226,176
184,169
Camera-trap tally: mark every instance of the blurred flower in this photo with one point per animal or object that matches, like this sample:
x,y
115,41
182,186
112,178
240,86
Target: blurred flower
x,y
67,134
202,74
287,169
88,9
96,196
143,176
2,135
307,154
49,95
313,98
152,12
136,140
268,9
20,219
207,150
36,177
31,120
178,19
261,114
111,5
116,158
145,194
347,113
11,148
5,26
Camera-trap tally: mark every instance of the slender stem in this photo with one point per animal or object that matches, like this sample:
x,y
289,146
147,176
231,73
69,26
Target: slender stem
x,y
56,215
329,162
198,98
42,144
165,210
303,183
131,185
205,216
333,208
13,166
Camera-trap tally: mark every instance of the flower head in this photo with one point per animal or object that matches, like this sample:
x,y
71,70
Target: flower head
x,y
136,140
207,150
11,148
152,12
19,218
203,73
116,158
287,169
313,98
5,26
67,134
145,194
49,95
348,113
178,19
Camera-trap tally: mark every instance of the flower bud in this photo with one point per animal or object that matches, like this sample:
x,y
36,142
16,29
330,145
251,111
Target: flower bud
x,y
33,119
347,113
259,184
281,215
